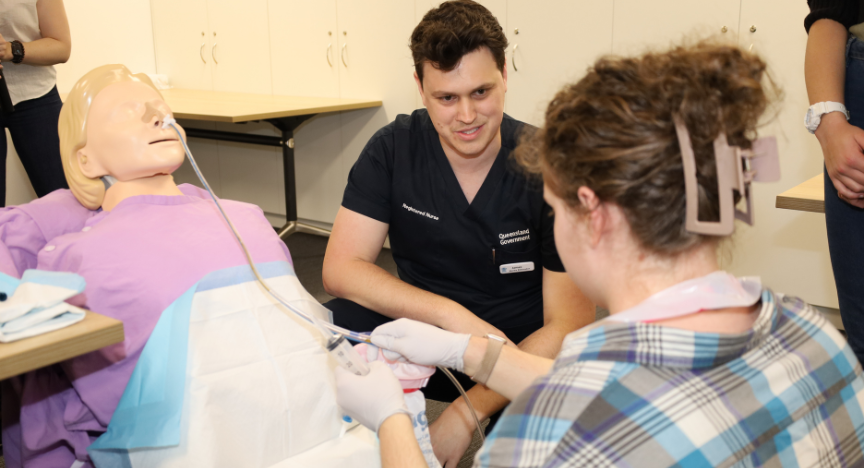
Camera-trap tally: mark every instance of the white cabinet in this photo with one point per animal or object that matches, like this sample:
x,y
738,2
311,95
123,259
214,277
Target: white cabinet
x,y
304,51
213,44
548,50
640,24
374,58
788,249
181,38
241,45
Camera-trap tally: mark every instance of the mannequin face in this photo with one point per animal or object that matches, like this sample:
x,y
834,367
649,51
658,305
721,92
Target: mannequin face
x,y
124,135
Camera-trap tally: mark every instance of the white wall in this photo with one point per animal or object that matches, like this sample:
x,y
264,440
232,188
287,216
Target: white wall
x,y
103,32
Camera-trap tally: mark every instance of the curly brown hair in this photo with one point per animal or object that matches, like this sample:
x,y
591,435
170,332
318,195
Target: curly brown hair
x,y
454,29
613,132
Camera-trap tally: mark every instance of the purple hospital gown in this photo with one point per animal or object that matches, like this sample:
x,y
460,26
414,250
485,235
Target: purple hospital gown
x,y
137,259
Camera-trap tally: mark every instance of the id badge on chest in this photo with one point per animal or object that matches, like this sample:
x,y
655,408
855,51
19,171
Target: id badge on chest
x,y
516,268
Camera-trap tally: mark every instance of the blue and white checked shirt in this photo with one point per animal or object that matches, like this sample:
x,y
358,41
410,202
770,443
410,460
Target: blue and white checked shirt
x,y
788,393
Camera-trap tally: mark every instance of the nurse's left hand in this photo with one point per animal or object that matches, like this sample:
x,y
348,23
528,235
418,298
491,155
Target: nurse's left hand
x,y
371,398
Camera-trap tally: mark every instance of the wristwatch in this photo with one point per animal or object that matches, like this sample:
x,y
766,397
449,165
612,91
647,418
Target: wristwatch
x,y
17,51
816,111
490,357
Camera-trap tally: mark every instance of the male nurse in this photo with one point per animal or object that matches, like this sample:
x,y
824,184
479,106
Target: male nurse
x,y
470,233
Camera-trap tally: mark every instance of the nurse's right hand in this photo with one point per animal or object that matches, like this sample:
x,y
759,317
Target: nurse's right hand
x,y
422,343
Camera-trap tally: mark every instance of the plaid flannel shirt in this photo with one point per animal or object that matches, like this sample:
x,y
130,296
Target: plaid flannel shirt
x,y
787,393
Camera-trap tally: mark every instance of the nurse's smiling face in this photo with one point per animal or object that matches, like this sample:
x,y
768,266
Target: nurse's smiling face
x,y
466,104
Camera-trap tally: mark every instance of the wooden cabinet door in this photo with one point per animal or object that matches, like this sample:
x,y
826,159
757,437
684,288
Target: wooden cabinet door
x,y
239,31
181,39
551,43
641,24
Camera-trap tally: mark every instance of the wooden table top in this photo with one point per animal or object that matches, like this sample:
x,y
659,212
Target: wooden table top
x,y
94,332
222,106
218,106
808,196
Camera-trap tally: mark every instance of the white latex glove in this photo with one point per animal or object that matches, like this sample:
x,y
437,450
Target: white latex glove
x,y
370,398
422,343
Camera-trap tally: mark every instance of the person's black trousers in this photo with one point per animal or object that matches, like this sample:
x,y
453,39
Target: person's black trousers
x,y
355,317
33,127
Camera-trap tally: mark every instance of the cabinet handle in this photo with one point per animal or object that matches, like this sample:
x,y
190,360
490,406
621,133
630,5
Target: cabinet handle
x,y
515,46
329,46
343,55
213,53
201,53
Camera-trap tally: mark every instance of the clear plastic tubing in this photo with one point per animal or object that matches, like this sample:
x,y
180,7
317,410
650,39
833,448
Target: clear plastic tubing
x,y
342,356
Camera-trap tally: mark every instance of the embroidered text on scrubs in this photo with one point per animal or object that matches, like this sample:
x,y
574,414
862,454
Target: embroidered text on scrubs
x,y
421,213
511,237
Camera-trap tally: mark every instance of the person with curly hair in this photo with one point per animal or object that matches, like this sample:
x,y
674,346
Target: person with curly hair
x,y
694,367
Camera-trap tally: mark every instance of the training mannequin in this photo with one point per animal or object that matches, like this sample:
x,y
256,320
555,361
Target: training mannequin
x,y
149,251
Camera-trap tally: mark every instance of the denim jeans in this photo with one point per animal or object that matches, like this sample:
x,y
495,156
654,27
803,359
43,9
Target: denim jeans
x,y
33,127
845,223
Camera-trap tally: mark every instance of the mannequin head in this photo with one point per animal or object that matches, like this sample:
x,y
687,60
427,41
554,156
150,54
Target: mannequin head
x,y
110,125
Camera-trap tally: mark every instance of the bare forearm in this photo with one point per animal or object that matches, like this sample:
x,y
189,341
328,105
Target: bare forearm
x,y
55,44
824,62
372,287
45,51
544,343
399,448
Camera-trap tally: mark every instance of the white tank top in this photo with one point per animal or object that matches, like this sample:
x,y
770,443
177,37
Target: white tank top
x,y
19,21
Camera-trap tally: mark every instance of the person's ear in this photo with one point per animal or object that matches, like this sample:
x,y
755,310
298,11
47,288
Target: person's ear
x,y
89,166
420,88
504,75
597,216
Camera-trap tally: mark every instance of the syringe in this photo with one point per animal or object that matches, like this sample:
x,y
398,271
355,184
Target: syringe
x,y
346,355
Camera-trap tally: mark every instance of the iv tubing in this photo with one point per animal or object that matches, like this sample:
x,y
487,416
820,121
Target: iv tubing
x,y
467,400
327,329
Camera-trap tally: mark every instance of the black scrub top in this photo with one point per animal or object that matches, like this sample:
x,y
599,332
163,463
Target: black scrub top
x,y
442,244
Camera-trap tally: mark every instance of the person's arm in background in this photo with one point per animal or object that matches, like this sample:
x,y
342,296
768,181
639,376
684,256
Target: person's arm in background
x,y
842,143
54,47
350,272
565,309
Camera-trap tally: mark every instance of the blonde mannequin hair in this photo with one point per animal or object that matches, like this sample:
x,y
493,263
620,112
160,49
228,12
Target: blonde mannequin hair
x,y
73,128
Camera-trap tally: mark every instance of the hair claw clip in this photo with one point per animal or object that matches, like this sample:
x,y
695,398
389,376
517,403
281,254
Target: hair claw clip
x,y
736,169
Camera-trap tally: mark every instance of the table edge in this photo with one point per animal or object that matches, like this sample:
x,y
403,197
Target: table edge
x,y
53,353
